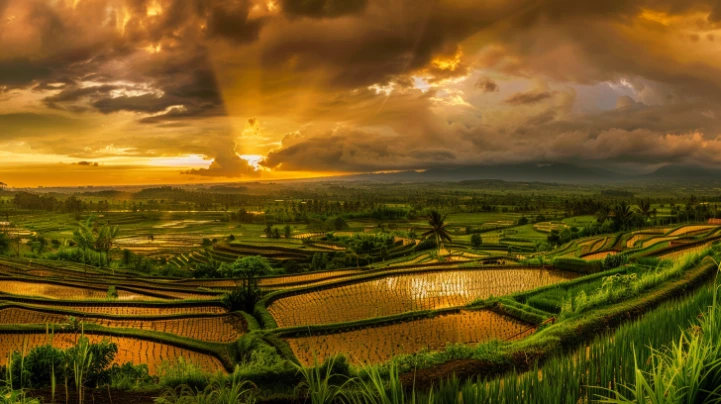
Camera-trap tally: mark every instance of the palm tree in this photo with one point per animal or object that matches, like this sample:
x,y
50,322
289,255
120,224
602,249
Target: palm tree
x,y
105,239
84,238
437,222
623,214
603,214
644,208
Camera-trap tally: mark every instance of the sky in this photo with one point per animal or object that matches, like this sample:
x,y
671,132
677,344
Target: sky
x,y
99,92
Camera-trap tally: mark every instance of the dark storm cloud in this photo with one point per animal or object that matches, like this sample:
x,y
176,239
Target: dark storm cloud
x,y
349,67
486,85
21,72
229,20
354,150
532,97
323,8
147,103
75,94
179,76
391,39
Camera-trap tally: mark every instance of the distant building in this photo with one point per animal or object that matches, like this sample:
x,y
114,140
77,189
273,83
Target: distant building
x,y
714,221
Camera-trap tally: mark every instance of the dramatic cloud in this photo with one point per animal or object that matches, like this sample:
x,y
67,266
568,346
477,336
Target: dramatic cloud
x,y
486,85
202,87
532,97
322,8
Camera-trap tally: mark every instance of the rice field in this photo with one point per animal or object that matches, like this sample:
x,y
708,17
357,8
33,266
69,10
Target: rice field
x,y
225,328
401,293
129,310
53,291
684,251
379,344
656,240
686,230
133,350
631,242
598,255
547,227
270,282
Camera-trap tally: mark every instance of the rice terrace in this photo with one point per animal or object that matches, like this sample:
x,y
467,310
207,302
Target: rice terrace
x,y
360,202
463,298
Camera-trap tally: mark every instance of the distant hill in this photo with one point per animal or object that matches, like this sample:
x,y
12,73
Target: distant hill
x,y
684,173
531,172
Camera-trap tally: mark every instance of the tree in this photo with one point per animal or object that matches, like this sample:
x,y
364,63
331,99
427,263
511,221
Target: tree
x,y
245,271
476,241
623,214
287,232
38,244
210,269
340,224
644,208
4,243
105,239
84,238
438,230
603,214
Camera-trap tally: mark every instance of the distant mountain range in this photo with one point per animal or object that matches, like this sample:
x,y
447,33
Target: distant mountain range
x,y
543,172
477,176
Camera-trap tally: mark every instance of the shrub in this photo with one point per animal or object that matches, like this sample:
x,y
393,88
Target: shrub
x,y
112,292
183,373
217,392
578,265
129,376
476,241
39,365
614,261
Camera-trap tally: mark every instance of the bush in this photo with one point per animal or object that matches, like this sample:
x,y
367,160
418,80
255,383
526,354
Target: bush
x,y
112,292
615,261
183,373
648,261
38,366
476,241
42,362
547,303
261,363
578,265
129,376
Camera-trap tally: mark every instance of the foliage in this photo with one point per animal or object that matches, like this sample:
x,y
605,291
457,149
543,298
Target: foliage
x,y
321,384
578,265
217,392
438,229
183,373
615,260
84,364
4,243
687,371
619,286
129,376
246,271
112,292
476,241
209,269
